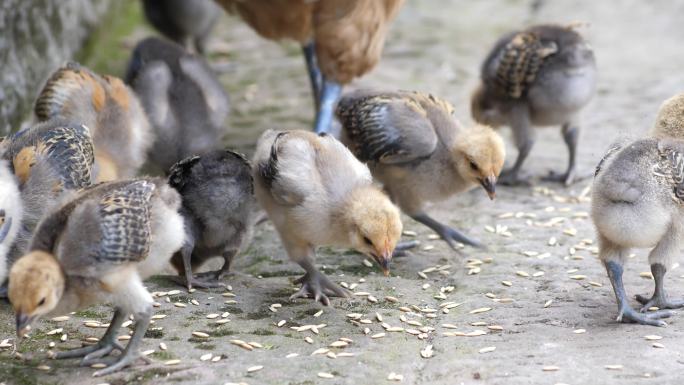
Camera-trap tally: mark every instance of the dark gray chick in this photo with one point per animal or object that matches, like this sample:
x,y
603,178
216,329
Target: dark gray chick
x,y
187,22
219,212
638,201
184,101
541,76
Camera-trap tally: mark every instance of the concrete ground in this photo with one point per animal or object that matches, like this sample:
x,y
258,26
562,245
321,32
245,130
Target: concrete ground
x,y
550,311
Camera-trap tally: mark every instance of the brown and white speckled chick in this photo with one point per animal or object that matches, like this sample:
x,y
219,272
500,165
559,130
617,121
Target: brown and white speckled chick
x,y
97,248
419,151
118,125
183,98
541,76
187,22
219,211
317,193
638,201
50,161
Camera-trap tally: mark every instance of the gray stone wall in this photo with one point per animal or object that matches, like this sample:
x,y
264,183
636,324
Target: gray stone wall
x,y
36,36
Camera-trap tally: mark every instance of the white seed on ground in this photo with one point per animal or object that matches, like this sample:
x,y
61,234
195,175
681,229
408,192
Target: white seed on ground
x,y
216,359
426,286
162,346
50,345
98,366
179,304
646,274
405,309
339,344
507,283
522,273
147,352
378,335
410,233
61,318
325,375
538,274
391,299
487,349
213,316
613,367
548,303
127,324
578,277
422,275
206,357
158,316
173,292
658,345
395,377
480,310
63,338
428,247
292,355
579,331
54,331
597,284
552,241
228,294
172,362
653,337
372,299
320,351
318,313
281,323
309,340
550,368
194,302
255,345
200,334
367,263
256,368
475,333
427,352
43,367
221,321
449,326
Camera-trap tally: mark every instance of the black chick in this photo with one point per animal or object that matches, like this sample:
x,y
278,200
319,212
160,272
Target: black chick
x,y
219,212
182,97
187,22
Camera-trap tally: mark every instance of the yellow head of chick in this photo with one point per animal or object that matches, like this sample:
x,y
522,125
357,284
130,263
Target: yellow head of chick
x,y
373,224
36,285
670,120
479,156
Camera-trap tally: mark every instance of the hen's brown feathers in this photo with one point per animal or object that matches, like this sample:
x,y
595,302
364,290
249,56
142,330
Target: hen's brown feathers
x,y
349,35
519,62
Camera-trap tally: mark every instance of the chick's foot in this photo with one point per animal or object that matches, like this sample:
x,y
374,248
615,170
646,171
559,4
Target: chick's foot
x,y
317,286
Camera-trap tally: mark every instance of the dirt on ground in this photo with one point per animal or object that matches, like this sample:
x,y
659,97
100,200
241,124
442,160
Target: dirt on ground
x,y
535,307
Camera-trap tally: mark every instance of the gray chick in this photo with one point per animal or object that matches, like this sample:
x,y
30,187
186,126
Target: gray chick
x,y
541,76
184,101
187,22
219,211
638,201
97,248
50,161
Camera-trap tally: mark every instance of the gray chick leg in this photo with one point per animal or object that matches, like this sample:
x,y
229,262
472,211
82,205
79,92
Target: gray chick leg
x,y
625,312
402,247
445,232
105,346
524,136
660,298
571,137
315,284
132,353
211,278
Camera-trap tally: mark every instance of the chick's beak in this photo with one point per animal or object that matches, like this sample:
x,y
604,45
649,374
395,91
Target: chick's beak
x,y
489,184
384,259
23,324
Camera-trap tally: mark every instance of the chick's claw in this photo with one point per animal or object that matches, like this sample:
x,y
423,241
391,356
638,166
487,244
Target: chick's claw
x,y
629,315
511,178
659,301
319,287
105,349
127,359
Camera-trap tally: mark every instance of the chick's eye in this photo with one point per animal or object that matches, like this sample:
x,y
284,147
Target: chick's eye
x,y
473,165
368,241
42,302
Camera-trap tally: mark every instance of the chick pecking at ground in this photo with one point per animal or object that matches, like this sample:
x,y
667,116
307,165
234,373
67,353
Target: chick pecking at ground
x,y
118,125
414,145
185,102
97,248
317,193
541,76
187,22
50,162
219,210
638,202
340,39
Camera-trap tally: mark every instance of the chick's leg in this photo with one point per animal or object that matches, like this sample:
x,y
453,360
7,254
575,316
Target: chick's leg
x,y
625,312
570,136
105,346
131,353
212,278
524,136
330,93
314,283
445,232
658,258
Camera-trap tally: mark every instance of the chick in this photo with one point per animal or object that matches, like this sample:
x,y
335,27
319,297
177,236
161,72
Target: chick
x,y
543,75
118,126
187,22
11,210
219,212
419,151
98,248
50,161
316,193
638,201
184,100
